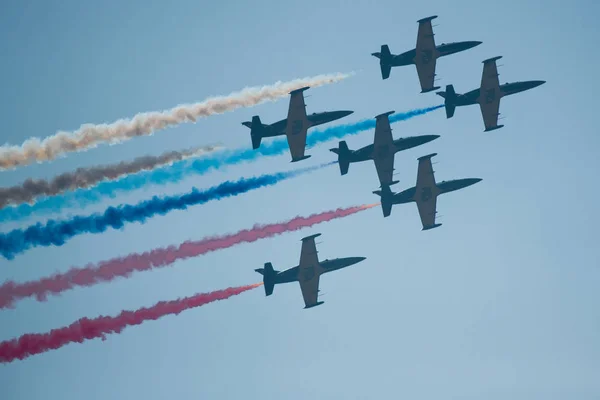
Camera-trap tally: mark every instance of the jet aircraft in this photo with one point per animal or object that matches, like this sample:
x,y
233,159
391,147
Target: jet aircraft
x,y
295,126
424,56
425,193
382,150
488,95
307,273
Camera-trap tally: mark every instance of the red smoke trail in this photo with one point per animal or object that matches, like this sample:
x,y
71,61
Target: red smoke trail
x,y
106,271
85,328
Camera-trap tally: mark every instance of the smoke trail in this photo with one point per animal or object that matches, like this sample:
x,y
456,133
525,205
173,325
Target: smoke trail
x,y
90,135
109,270
86,177
180,170
58,232
86,329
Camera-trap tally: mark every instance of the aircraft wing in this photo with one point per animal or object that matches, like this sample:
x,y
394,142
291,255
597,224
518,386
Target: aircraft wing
x,y
425,57
383,147
425,196
309,272
489,94
297,124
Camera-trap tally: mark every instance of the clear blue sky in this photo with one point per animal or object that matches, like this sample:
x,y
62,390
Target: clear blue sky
x,y
500,302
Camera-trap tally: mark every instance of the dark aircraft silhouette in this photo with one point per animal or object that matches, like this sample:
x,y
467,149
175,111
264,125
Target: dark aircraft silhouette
x,y
382,150
425,193
488,95
307,273
295,126
424,56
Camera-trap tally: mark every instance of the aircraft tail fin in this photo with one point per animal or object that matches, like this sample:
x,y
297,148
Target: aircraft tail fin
x,y
268,274
387,196
384,61
386,54
450,101
450,108
256,128
386,69
343,153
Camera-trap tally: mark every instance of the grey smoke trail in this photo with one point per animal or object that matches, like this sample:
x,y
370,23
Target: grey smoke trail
x,y
90,135
86,177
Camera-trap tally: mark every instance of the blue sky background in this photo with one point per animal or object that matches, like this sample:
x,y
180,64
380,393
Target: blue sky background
x,y
500,302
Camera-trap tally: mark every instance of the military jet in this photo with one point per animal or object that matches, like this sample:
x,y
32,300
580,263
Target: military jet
x,y
294,126
382,150
425,193
307,272
424,56
488,95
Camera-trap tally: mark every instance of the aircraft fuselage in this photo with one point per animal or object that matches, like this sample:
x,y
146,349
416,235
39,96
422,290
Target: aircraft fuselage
x,y
506,89
371,152
410,195
314,119
408,57
325,266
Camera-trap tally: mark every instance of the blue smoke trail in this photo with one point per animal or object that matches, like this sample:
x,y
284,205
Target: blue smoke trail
x,y
58,232
182,169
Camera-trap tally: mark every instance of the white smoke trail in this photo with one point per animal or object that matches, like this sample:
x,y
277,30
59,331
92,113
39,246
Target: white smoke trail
x,y
90,135
86,177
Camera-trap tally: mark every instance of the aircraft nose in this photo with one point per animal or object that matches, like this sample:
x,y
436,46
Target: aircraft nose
x,y
329,116
476,180
429,138
471,44
426,138
527,85
414,141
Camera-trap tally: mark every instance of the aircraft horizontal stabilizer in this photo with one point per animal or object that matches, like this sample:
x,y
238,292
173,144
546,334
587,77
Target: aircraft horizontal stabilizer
x,y
268,274
256,129
343,153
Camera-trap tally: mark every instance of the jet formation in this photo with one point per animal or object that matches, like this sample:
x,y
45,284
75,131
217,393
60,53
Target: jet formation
x,y
384,148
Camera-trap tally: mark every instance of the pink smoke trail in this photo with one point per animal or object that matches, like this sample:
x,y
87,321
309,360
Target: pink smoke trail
x,y
86,329
109,270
